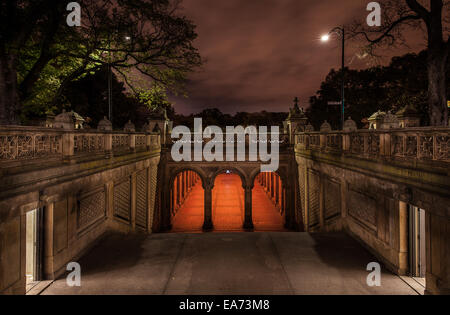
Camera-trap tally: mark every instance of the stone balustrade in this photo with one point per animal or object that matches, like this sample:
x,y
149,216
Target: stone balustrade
x,y
428,144
19,143
249,147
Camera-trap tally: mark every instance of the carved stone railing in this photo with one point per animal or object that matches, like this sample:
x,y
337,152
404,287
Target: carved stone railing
x,y
250,148
21,144
432,144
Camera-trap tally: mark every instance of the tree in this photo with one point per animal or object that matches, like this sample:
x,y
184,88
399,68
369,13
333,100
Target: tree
x,y
141,40
401,15
366,93
403,82
154,98
88,97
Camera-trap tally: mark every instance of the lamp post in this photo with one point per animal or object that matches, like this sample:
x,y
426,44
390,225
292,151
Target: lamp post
x,y
340,31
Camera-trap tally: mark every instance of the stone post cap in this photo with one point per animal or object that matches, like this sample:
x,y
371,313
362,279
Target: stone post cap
x,y
350,125
104,125
326,127
129,127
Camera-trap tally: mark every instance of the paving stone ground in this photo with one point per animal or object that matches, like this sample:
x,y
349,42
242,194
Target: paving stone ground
x,y
229,263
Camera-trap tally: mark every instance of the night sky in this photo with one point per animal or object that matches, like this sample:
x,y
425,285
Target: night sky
x,y
260,54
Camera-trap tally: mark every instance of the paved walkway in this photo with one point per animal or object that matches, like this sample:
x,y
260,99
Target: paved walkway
x,y
228,208
229,263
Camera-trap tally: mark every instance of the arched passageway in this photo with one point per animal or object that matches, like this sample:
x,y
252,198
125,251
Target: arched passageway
x,y
268,203
228,207
187,202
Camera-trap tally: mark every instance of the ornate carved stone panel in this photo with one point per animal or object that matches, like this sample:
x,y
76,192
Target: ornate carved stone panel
x,y
153,182
121,142
122,199
314,198
362,208
18,147
141,199
301,185
89,143
332,197
443,148
92,207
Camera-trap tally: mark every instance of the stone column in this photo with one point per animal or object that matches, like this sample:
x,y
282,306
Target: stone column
x,y
208,224
48,242
133,200
68,146
306,197
174,195
437,252
289,215
132,142
179,190
108,145
183,187
279,190
189,182
321,202
274,188
403,238
269,185
248,221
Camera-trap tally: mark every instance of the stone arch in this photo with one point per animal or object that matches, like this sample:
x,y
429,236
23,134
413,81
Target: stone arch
x,y
172,206
223,170
280,172
174,172
284,194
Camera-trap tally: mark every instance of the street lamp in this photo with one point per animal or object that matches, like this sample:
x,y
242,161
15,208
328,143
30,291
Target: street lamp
x,y
339,31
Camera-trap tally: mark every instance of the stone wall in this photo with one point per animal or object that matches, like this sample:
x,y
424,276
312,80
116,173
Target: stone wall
x,y
367,195
81,198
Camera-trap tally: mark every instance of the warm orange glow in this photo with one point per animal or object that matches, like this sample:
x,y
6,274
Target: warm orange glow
x,y
228,205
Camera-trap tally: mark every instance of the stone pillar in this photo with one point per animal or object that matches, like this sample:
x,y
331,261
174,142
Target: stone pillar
x,y
274,188
248,221
277,189
132,142
48,268
321,202
306,197
289,215
280,193
438,253
403,238
269,188
133,200
183,192
68,145
108,145
343,199
174,195
185,189
189,183
179,190
208,224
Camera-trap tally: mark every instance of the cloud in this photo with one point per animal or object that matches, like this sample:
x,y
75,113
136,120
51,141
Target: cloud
x,y
260,54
